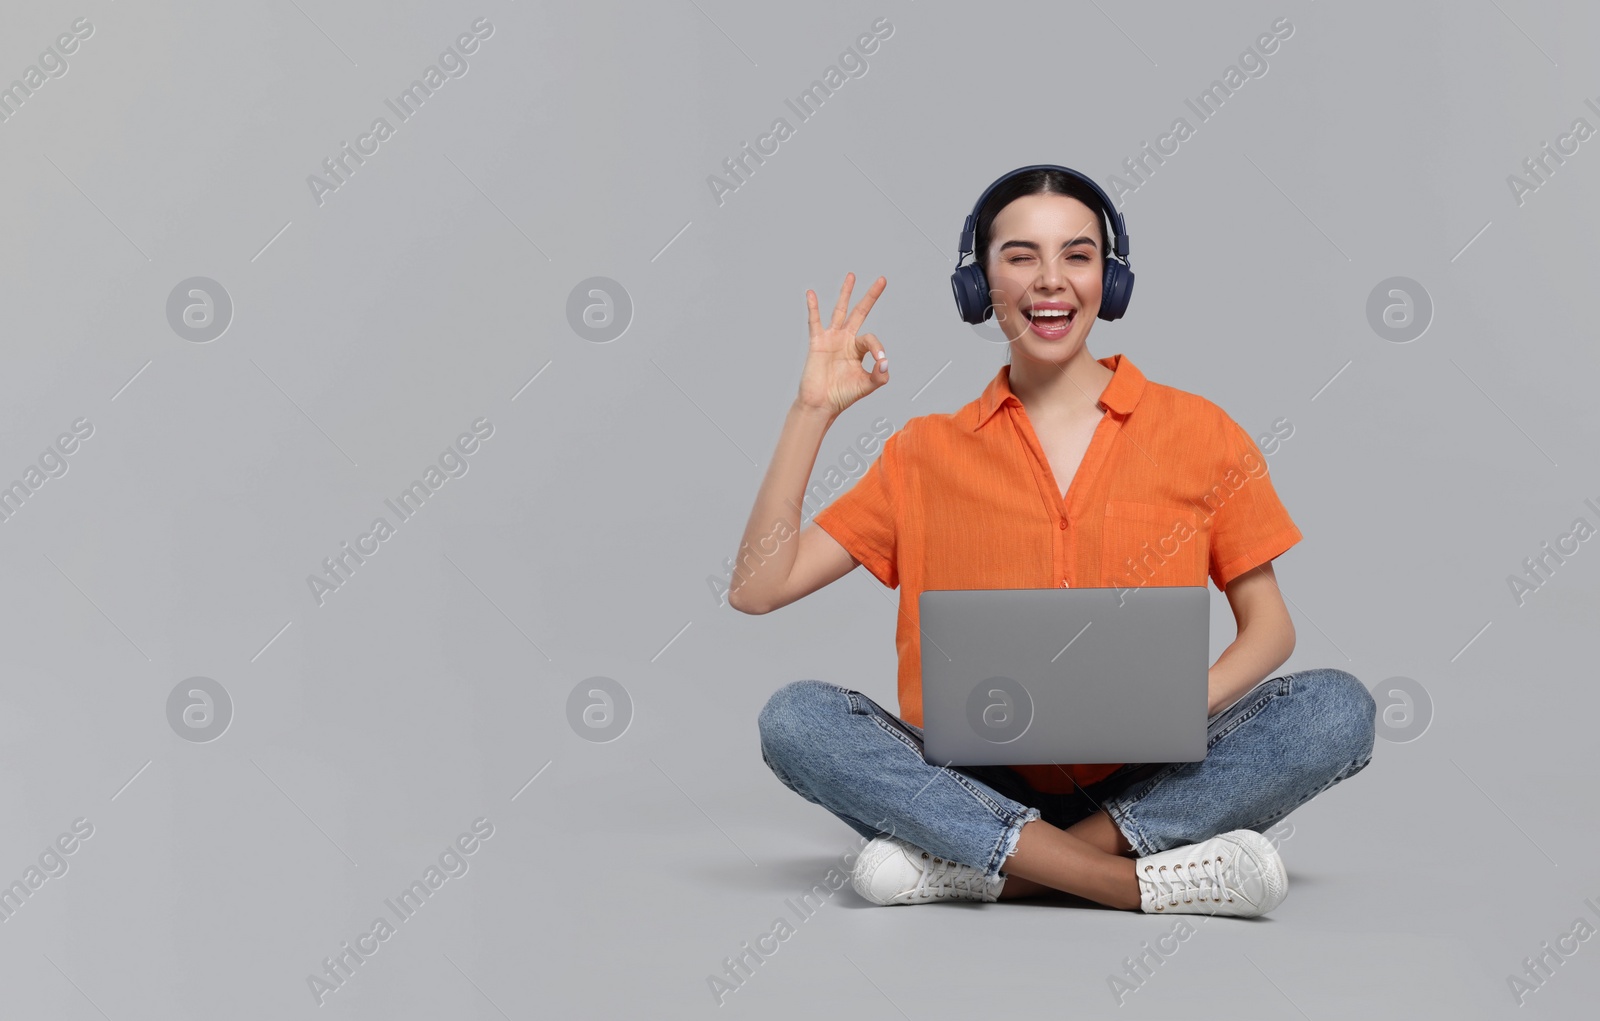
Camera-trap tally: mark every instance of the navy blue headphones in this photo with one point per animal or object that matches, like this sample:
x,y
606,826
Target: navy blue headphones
x,y
972,288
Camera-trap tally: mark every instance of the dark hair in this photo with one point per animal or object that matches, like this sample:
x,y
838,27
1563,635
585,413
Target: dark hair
x,y
1036,182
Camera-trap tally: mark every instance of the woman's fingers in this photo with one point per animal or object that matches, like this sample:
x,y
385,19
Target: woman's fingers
x,y
859,316
841,333
880,360
844,301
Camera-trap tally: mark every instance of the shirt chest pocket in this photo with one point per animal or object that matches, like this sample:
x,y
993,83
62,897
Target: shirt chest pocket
x,y
1152,544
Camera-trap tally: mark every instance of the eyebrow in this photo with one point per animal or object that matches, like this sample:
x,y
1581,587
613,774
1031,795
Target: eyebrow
x,y
1032,246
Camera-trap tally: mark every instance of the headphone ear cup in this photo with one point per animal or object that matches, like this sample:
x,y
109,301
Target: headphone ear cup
x,y
1116,288
971,290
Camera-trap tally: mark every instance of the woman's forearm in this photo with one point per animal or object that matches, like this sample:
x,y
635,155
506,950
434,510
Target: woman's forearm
x,y
1261,647
767,552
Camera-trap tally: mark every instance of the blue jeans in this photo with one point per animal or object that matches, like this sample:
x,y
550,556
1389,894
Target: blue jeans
x,y
1279,745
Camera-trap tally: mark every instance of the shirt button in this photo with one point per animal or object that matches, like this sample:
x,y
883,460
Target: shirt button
x,y
1065,585
1063,522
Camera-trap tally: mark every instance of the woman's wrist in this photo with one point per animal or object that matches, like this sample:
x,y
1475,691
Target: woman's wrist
x,y
811,412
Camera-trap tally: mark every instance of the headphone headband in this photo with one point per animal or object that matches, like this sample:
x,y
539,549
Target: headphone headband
x,y
1119,244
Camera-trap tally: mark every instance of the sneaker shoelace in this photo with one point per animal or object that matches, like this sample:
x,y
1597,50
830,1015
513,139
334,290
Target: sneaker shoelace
x,y
942,878
1170,880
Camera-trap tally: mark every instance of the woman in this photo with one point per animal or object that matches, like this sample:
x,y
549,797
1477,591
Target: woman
x,y
1067,470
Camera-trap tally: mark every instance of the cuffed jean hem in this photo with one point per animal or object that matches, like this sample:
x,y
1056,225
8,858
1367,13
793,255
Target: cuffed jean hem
x,y
1008,843
1131,831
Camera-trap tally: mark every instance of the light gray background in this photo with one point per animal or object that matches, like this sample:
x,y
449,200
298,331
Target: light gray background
x,y
431,288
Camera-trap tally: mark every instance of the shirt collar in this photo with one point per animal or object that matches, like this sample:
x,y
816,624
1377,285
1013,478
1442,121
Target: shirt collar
x,y
1121,394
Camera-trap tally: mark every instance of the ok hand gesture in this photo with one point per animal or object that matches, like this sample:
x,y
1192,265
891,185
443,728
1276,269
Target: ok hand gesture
x,y
833,378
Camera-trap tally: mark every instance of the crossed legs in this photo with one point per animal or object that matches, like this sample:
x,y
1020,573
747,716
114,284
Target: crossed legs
x,y
1306,731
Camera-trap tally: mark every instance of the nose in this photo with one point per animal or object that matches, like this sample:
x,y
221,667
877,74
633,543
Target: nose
x,y
1052,277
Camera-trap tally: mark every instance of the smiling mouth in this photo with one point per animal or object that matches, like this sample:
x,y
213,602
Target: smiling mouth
x,y
1051,317
1050,323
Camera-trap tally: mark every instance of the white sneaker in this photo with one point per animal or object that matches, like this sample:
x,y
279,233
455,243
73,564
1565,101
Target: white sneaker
x,y
892,871
1238,873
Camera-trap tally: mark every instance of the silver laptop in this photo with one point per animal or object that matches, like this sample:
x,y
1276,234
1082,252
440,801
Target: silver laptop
x,y
1065,675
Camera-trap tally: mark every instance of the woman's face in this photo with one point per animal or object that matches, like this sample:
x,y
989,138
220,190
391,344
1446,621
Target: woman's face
x,y
1046,256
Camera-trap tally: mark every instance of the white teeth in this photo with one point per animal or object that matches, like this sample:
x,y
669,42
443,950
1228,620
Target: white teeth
x,y
1036,313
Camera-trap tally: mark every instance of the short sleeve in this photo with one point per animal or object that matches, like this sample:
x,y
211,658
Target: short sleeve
x,y
863,518
1251,526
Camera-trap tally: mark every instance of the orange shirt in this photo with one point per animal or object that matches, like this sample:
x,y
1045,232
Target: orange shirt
x,y
1170,491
